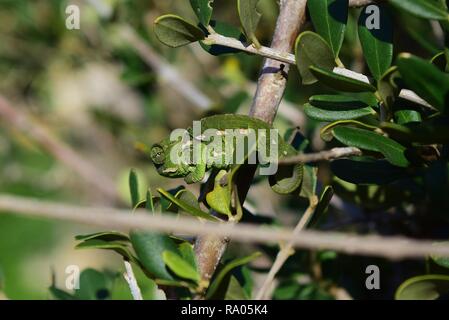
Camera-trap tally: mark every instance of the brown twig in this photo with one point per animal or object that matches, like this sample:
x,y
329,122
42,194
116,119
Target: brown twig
x,y
20,120
122,220
335,153
269,93
286,251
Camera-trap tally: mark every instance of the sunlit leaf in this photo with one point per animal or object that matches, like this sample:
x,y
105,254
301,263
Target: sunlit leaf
x,y
368,140
376,40
149,247
428,287
329,19
179,266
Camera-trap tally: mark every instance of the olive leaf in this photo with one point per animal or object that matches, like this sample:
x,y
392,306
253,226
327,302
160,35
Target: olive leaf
x,y
180,267
422,8
249,19
368,140
312,50
340,82
377,40
134,188
174,31
203,10
190,207
329,18
425,79
149,247
227,269
428,287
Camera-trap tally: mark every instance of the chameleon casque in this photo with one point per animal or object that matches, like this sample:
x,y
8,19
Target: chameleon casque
x,y
286,180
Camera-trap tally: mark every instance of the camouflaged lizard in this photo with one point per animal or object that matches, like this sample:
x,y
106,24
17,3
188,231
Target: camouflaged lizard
x,y
286,180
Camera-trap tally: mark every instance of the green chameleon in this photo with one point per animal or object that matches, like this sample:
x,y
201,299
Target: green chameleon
x,y
286,180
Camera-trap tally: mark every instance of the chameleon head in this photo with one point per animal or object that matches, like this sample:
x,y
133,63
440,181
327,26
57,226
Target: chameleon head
x,y
160,155
157,154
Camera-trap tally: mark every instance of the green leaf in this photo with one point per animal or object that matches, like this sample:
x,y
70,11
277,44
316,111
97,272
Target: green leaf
x,y
340,82
105,236
249,19
344,102
134,188
368,140
439,260
332,114
428,287
312,50
120,247
180,267
219,199
367,171
309,182
439,60
188,207
228,268
329,18
174,31
387,89
420,30
422,132
376,40
61,294
321,208
425,79
94,285
234,290
149,247
188,254
407,116
149,203
226,30
326,132
422,8
203,10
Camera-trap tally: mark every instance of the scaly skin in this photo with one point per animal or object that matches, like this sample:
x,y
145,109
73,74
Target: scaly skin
x,y
287,179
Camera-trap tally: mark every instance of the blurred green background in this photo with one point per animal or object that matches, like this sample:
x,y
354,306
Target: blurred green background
x,y
94,90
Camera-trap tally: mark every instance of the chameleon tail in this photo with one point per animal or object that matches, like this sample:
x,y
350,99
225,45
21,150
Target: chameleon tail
x,y
287,180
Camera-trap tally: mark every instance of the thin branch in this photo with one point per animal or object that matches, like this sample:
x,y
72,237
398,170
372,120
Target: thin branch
x,y
289,58
266,52
404,94
186,88
165,71
132,282
122,220
286,251
20,120
335,153
270,90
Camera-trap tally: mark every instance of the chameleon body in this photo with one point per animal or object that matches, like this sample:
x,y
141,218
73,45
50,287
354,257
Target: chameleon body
x,y
286,180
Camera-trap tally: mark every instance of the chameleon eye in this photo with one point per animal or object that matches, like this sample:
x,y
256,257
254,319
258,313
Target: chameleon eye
x,y
157,155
